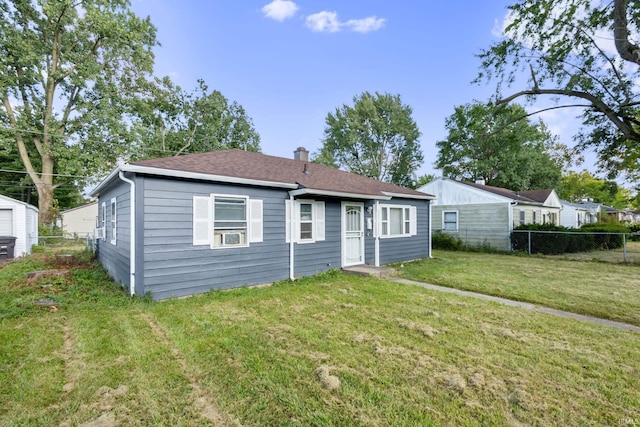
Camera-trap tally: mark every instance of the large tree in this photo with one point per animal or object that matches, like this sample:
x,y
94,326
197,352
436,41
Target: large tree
x,y
578,186
173,121
584,53
498,145
69,73
376,137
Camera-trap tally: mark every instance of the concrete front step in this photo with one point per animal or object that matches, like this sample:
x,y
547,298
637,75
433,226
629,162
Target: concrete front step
x,y
368,270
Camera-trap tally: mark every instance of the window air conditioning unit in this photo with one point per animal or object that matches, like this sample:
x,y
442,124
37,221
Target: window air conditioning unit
x,y
231,239
99,233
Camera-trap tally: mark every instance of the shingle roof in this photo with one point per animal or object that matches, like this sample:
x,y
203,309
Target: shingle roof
x,y
532,196
260,167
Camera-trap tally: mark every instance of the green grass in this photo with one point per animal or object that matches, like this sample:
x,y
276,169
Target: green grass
x,y
403,355
609,291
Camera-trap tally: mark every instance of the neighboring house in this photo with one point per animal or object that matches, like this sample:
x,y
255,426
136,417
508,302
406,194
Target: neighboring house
x,y
19,220
481,215
80,221
184,225
613,213
631,215
575,215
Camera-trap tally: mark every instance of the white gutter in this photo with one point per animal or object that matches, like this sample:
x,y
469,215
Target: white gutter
x,y
132,236
430,233
376,230
311,191
205,176
292,232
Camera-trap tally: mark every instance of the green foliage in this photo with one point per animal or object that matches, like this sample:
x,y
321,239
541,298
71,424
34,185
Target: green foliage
x,y
446,242
422,180
500,145
376,137
576,186
589,237
173,121
70,76
565,48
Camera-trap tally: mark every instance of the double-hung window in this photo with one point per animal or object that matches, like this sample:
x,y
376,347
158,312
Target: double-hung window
x,y
305,218
306,221
226,221
229,221
114,222
522,216
450,220
397,221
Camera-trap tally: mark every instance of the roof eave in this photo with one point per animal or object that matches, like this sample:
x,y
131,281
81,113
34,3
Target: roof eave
x,y
96,191
204,176
410,196
328,193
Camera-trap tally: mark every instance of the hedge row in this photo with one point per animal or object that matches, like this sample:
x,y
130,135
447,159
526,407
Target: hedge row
x,y
581,240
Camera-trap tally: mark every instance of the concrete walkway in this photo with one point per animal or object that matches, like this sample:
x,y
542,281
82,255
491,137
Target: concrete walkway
x,y
520,304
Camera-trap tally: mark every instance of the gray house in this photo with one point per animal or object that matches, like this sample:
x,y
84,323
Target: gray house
x,y
184,225
481,214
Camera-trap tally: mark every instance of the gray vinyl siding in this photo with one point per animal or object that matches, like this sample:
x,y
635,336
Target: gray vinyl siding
x,y
396,249
314,258
173,266
115,258
478,224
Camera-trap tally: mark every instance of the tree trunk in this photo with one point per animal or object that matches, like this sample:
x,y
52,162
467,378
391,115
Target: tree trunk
x,y
47,214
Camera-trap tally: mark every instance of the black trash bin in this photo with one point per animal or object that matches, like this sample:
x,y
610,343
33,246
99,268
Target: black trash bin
x,y
7,246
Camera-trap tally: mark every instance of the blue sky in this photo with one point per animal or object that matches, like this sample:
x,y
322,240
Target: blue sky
x,y
290,63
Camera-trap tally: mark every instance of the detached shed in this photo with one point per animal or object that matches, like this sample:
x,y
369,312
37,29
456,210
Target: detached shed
x,y
19,220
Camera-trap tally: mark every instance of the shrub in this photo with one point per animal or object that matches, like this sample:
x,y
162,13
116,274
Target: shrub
x,y
445,241
581,240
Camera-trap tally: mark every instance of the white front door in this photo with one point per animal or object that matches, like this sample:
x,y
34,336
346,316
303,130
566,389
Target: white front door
x,y
352,234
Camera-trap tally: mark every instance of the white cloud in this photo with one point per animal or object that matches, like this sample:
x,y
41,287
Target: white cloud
x,y
280,10
329,22
324,21
365,25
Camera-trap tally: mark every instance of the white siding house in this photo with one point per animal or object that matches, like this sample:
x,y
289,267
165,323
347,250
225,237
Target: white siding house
x,y
575,215
482,215
19,220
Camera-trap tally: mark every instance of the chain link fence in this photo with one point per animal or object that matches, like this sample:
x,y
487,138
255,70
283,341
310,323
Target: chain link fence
x,y
612,247
60,244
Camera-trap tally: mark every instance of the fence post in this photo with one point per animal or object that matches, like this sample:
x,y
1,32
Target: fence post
x,y
529,241
624,246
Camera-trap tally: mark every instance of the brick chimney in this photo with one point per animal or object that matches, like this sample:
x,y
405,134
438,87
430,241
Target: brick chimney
x,y
301,154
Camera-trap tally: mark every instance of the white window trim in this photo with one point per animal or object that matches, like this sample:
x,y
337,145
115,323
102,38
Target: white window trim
x,y
253,218
104,221
114,221
317,221
213,220
412,222
298,213
457,220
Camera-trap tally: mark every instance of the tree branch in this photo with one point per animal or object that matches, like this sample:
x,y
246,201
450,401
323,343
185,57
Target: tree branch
x,y
596,103
22,149
188,142
627,50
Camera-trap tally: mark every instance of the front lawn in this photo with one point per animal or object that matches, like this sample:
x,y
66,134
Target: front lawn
x,y
609,291
331,350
